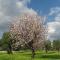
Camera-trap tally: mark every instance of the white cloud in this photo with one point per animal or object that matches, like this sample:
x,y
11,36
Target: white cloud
x,y
23,8
57,18
54,27
11,8
54,11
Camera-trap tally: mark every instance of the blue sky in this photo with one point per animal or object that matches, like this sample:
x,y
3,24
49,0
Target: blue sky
x,y
44,5
50,9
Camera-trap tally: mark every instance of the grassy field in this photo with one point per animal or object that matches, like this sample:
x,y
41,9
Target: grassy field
x,y
40,55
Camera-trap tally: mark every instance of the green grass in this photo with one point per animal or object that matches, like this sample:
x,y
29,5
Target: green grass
x,y
26,55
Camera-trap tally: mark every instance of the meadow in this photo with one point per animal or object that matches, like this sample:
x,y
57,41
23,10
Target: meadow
x,y
26,55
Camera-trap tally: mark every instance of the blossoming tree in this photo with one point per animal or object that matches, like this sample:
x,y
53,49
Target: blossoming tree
x,y
28,30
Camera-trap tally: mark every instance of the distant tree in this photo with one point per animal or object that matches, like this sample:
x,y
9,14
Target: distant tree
x,y
5,42
28,30
56,45
47,45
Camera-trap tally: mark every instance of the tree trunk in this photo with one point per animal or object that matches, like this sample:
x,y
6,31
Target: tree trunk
x,y
33,53
30,45
9,50
58,50
46,51
46,48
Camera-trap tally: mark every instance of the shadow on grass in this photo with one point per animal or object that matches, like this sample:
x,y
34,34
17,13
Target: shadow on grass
x,y
51,52
51,56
